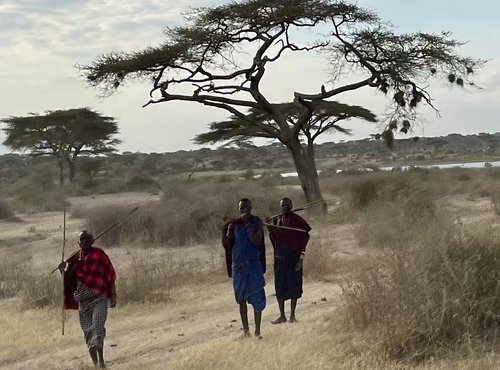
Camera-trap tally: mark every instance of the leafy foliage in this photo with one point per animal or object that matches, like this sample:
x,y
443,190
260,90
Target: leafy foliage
x,y
63,134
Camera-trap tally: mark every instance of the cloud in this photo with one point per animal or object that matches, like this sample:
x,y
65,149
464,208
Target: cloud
x,y
42,40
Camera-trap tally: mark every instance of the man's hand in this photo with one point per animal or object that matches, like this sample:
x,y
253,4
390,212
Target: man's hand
x,y
112,301
62,267
300,265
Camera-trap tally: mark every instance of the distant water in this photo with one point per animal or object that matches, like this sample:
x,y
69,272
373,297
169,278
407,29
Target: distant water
x,y
437,165
447,165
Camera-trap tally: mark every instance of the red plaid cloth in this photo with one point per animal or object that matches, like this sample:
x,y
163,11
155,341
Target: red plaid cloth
x,y
94,270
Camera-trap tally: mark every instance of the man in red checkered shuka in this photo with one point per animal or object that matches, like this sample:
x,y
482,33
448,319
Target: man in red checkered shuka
x,y
89,286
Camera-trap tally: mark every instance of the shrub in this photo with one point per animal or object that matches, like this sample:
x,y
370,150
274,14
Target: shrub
x,y
495,197
12,275
5,210
188,213
30,199
427,287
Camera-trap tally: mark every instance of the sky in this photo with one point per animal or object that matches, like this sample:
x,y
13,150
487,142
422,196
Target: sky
x,y
41,41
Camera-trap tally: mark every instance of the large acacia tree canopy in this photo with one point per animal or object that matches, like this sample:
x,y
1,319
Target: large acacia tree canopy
x,y
209,55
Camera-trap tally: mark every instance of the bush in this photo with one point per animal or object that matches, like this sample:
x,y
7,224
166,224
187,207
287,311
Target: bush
x,y
427,287
189,212
30,199
5,210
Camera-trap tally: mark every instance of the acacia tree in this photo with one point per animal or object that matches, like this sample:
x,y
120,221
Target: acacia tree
x,y
220,57
62,134
325,116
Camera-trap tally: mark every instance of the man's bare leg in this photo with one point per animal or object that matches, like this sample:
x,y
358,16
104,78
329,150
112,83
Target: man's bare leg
x,y
258,320
282,318
93,354
293,305
100,352
244,319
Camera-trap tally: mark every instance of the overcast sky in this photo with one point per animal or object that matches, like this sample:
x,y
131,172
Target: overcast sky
x,y
42,40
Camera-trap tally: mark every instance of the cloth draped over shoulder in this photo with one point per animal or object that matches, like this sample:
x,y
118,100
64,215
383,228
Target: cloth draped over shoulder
x,y
295,241
93,270
257,239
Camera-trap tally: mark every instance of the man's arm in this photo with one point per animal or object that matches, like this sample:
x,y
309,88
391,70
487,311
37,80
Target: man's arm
x,y
112,292
227,243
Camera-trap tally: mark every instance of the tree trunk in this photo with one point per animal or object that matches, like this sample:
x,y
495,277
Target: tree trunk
x,y
306,169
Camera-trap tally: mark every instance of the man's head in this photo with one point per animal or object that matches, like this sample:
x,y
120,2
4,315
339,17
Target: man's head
x,y
286,205
245,206
85,239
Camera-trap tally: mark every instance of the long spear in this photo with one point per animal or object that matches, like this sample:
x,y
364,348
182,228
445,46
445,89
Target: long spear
x,y
300,208
285,227
117,223
62,260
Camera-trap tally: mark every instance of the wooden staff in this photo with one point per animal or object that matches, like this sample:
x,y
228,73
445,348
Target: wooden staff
x,y
63,316
285,227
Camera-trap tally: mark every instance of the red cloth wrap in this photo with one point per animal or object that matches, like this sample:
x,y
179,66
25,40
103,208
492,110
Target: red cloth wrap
x,y
94,270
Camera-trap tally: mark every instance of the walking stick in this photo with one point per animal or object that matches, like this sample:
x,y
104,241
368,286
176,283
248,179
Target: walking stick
x,y
62,260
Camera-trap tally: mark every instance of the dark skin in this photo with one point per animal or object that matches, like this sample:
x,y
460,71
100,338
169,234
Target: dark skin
x,y
245,209
286,208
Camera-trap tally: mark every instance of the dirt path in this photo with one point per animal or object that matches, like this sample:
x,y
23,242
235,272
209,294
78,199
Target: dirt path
x,y
142,335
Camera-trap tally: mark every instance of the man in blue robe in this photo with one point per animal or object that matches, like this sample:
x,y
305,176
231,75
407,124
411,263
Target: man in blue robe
x,y
246,263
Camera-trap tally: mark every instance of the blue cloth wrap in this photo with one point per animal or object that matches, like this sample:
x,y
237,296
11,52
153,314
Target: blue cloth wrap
x,y
247,271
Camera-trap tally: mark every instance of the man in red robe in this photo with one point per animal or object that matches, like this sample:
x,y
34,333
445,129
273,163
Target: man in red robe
x,y
89,286
289,252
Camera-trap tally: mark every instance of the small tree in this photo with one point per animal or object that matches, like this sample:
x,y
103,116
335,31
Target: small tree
x,y
63,134
221,57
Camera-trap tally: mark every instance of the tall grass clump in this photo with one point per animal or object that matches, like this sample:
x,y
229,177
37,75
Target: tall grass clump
x,y
41,290
427,287
6,211
35,288
154,279
495,197
12,273
320,260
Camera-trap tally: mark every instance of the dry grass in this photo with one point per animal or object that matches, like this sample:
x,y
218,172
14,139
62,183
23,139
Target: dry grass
x,y
188,213
419,292
6,211
428,288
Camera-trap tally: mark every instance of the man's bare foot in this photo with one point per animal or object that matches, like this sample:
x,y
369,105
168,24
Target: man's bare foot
x,y
292,319
246,334
279,320
258,336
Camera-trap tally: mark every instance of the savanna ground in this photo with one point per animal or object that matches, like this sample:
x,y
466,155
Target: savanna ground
x,y
402,273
